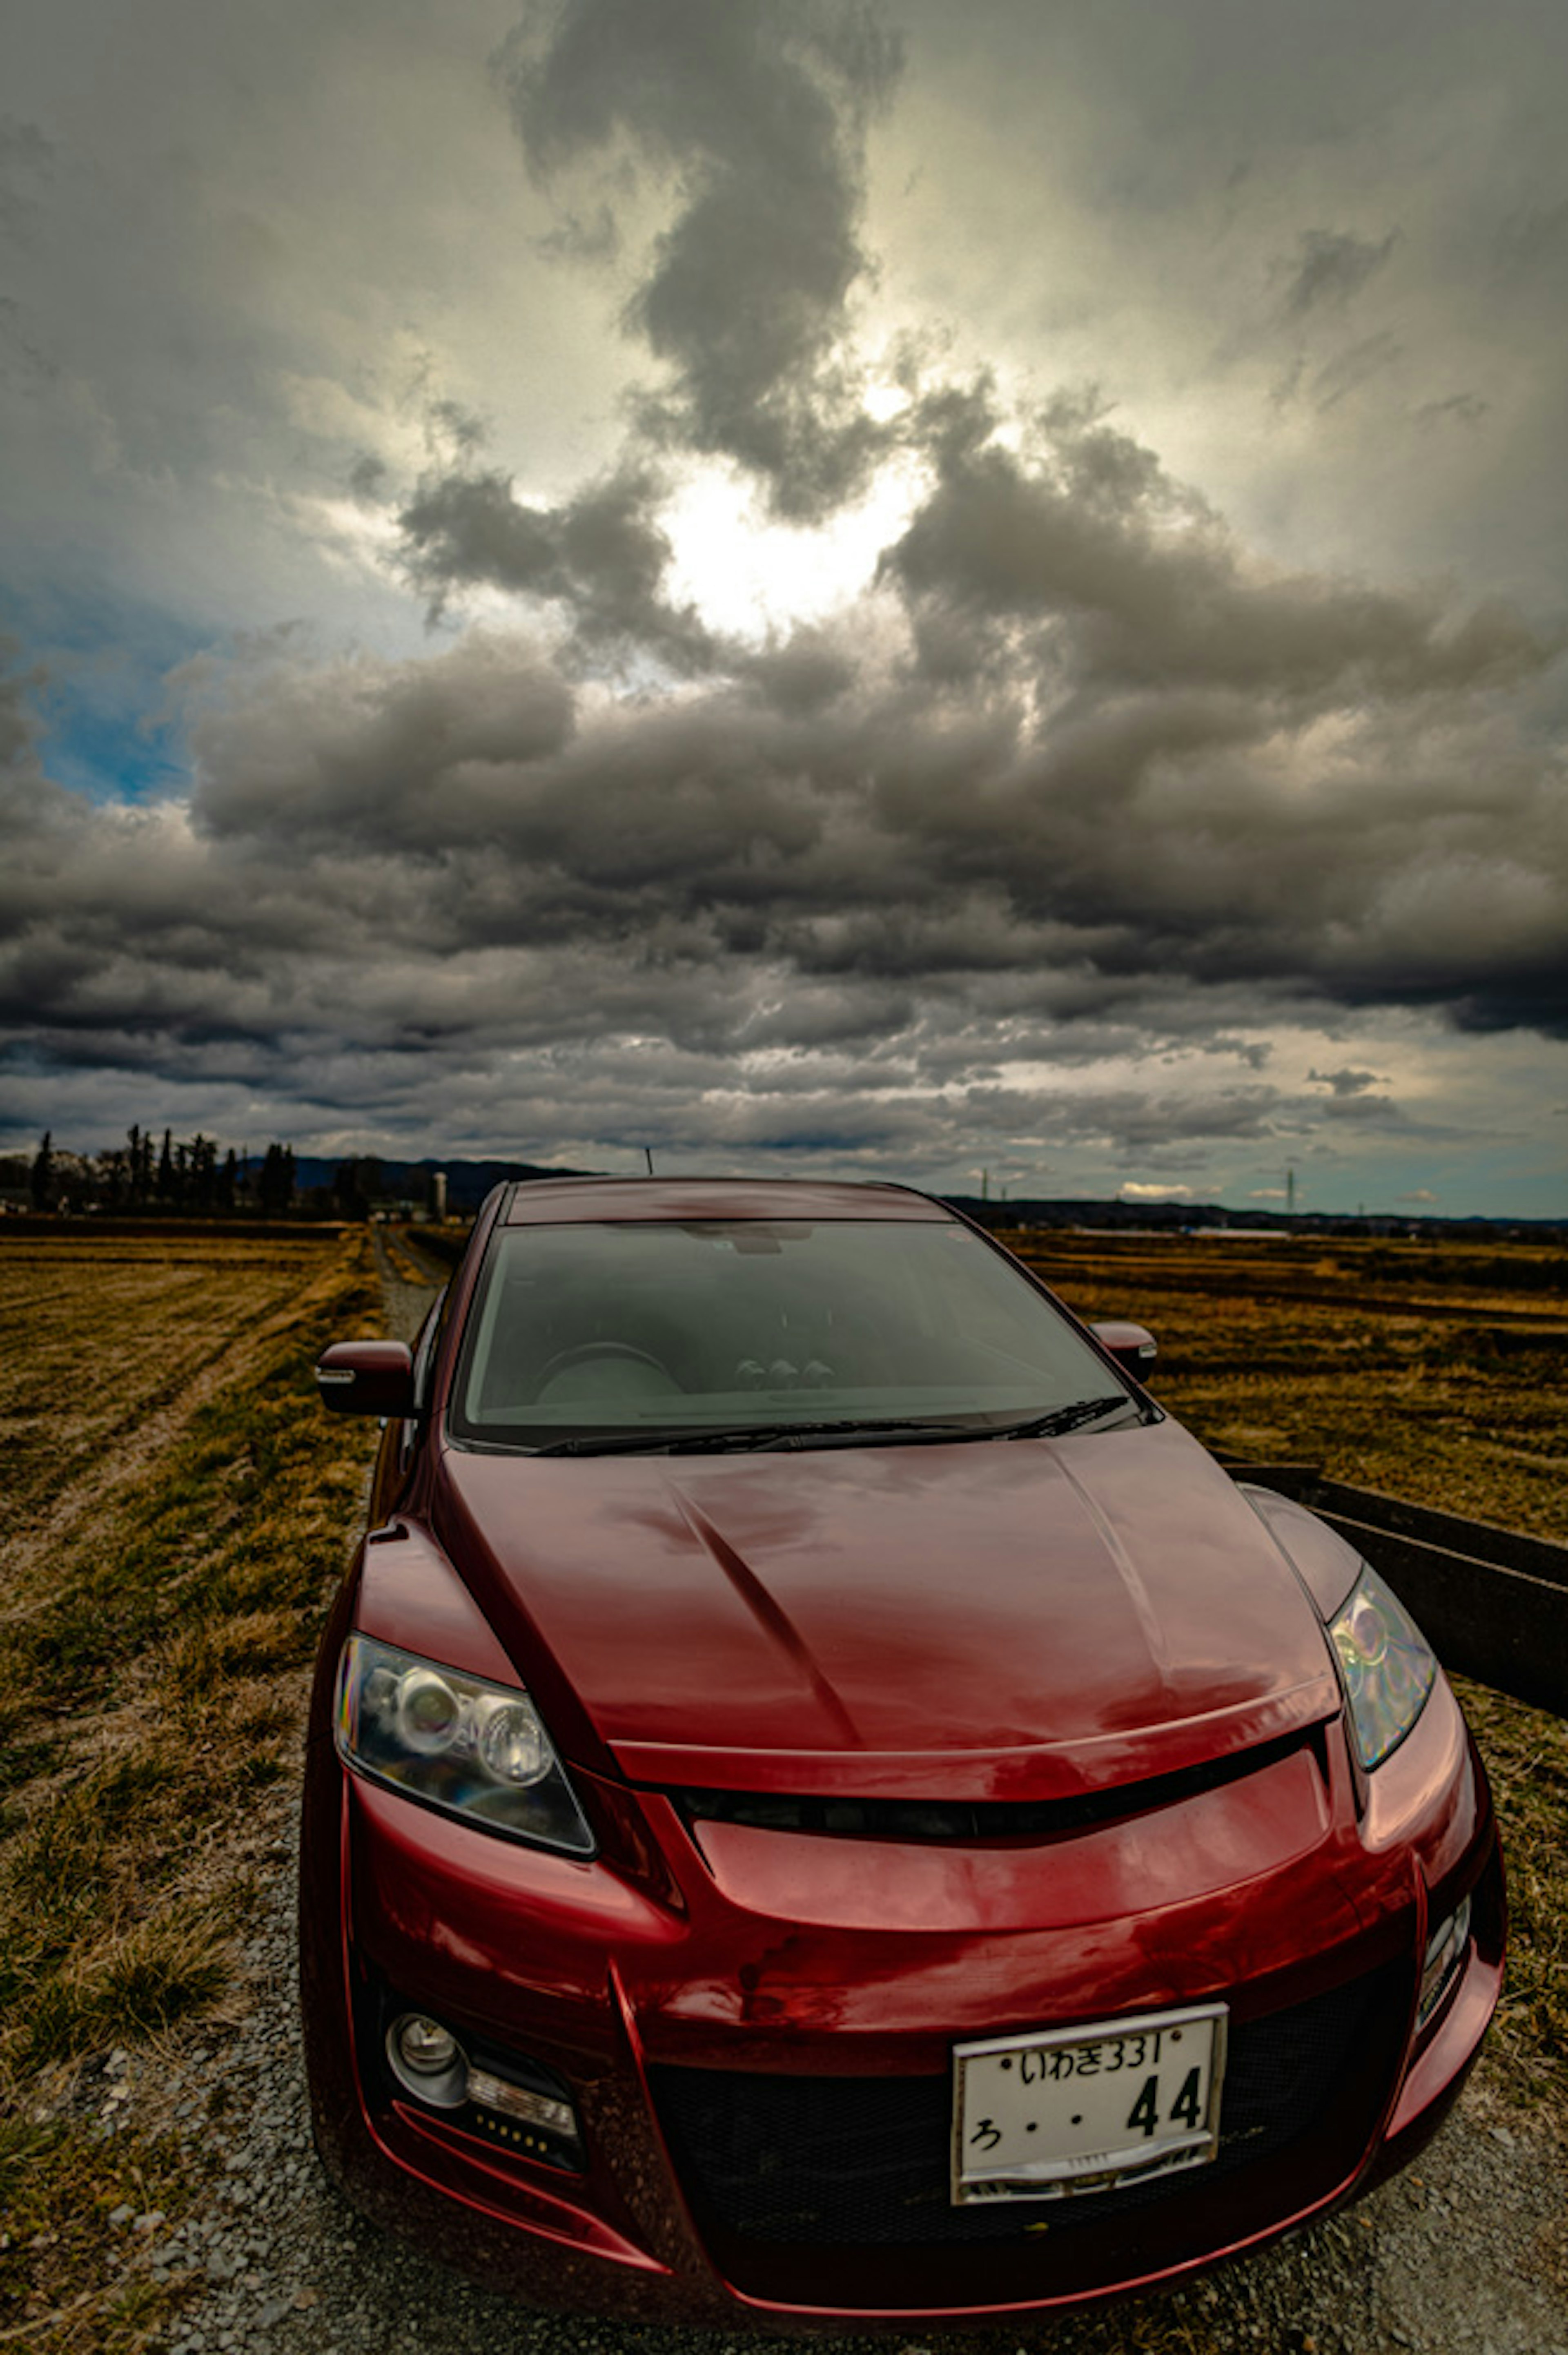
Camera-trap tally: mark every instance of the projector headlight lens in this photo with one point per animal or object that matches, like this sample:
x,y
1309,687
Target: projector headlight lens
x,y
1385,1664
476,1750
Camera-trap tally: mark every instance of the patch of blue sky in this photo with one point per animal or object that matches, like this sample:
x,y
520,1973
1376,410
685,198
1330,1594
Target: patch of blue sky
x,y
99,670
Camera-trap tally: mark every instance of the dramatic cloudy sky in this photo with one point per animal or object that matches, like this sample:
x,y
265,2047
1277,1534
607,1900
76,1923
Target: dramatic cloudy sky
x,y
872,589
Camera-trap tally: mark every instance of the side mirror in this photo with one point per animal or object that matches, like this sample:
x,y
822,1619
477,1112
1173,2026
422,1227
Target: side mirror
x,y
366,1377
1133,1347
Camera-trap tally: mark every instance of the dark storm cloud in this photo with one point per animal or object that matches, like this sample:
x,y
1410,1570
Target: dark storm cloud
x,y
1080,779
596,238
804,673
1165,778
460,851
1144,1123
1466,408
27,165
367,477
1534,234
1329,267
18,729
601,557
356,757
1346,373
1085,538
1077,780
758,115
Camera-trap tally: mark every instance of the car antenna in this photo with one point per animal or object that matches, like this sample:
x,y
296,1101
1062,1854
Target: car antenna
x,y
648,1150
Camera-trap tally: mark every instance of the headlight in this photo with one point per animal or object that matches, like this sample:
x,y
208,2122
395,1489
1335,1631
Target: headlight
x,y
477,1750
1386,1666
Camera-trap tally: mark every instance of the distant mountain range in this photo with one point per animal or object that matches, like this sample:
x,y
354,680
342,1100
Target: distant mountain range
x,y
468,1183
379,1182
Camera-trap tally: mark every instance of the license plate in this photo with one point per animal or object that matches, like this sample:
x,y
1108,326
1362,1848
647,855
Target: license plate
x,y
1065,2110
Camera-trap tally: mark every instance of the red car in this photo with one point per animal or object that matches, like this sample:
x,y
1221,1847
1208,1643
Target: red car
x,y
825,1803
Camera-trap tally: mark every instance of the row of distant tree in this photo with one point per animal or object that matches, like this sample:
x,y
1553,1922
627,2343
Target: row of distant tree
x,y
187,1176
196,1178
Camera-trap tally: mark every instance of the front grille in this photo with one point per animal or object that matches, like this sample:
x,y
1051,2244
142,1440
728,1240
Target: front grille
x,y
864,2161
968,1821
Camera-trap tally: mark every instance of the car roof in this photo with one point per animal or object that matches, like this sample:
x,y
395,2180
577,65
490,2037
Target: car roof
x,y
561,1201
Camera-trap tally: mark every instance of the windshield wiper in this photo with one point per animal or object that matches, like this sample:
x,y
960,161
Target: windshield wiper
x,y
1063,1419
763,1437
779,1437
890,1432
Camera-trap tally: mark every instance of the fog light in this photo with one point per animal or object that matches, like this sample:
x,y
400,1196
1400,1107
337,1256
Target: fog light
x,y
1445,1955
427,2060
426,2047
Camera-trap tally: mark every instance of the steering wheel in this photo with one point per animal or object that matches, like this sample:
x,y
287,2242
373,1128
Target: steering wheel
x,y
598,1353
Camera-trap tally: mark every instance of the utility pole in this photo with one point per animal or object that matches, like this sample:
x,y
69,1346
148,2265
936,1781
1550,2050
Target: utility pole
x,y
1290,1193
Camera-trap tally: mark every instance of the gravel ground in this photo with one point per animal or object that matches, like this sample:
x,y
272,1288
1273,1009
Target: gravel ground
x,y
1466,2252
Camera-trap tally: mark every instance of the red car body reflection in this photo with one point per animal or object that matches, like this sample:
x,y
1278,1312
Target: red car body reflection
x,y
883,1749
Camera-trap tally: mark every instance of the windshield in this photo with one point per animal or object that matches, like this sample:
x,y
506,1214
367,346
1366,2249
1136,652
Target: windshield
x,y
636,1330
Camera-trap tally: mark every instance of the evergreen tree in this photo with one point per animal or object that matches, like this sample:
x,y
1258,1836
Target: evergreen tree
x,y
348,1193
138,1172
203,1171
276,1187
43,1178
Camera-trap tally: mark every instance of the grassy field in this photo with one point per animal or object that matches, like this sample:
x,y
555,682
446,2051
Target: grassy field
x,y
110,1334
181,1511
1436,1372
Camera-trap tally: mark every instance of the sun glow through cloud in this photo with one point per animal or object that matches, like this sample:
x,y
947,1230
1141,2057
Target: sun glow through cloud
x,y
744,572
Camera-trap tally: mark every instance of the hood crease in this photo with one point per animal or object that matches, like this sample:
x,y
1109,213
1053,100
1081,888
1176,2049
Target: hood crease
x,y
770,1615
1149,1620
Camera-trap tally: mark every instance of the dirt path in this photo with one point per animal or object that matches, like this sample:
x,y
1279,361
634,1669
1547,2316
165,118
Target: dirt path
x,y
407,1302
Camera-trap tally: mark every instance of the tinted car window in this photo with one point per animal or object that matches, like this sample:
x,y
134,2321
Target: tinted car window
x,y
666,1324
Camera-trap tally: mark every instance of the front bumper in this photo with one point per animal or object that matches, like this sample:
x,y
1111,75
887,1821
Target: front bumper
x,y
759,2047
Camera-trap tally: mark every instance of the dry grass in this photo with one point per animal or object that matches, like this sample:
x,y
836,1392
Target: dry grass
x,y
1526,1758
1429,1370
151,1661
113,1332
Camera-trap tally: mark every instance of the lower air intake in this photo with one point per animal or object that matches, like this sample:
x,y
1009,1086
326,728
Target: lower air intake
x,y
864,2161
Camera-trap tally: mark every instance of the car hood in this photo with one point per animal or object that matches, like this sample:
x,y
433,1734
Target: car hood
x,y
1001,1620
